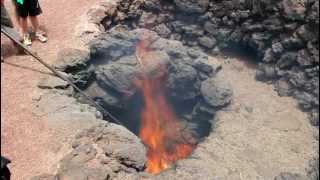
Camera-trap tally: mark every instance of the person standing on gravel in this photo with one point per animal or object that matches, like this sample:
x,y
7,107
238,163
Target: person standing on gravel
x,y
31,9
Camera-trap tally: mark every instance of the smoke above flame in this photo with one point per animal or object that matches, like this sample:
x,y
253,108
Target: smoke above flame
x,y
161,130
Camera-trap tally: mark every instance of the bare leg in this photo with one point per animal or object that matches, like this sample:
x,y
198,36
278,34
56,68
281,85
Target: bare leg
x,y
24,25
24,28
35,23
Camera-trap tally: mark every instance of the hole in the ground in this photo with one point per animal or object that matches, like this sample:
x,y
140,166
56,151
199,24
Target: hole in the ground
x,y
162,91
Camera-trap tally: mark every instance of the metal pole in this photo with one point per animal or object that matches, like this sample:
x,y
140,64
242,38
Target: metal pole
x,y
60,75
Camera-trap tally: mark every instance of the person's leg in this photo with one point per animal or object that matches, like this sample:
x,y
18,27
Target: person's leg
x,y
16,14
35,23
34,11
22,14
24,29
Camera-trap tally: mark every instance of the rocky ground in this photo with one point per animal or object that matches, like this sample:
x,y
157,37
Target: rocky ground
x,y
260,135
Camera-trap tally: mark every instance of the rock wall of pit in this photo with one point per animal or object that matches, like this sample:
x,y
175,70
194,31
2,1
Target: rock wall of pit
x,y
283,35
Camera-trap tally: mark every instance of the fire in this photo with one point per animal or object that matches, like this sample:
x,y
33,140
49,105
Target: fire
x,y
160,130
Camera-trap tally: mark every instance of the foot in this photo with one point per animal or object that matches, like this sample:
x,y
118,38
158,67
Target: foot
x,y
26,40
41,37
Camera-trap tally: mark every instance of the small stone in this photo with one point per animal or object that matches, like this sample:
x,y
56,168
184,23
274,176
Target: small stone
x,y
210,27
162,30
304,58
207,42
216,92
293,10
70,59
277,48
192,6
216,51
290,176
53,82
283,87
287,60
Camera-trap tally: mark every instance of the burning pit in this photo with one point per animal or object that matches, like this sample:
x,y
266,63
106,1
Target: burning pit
x,y
159,89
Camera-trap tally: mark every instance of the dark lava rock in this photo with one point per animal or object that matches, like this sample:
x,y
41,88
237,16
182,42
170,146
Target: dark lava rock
x,y
216,93
292,43
305,33
207,42
70,60
305,100
277,48
269,56
183,82
192,6
118,76
290,176
5,172
293,10
266,72
314,119
313,169
304,58
210,27
162,30
287,60
283,87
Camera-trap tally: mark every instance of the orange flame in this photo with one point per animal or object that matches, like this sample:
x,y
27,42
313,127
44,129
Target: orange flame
x,y
160,130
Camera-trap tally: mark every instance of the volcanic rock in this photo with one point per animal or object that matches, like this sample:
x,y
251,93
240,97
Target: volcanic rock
x,y
111,148
210,27
5,172
163,30
53,82
293,10
290,176
118,76
72,59
207,42
216,92
304,58
192,6
283,87
266,72
313,169
78,172
117,73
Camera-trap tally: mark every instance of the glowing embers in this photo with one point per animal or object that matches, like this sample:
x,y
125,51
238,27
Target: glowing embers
x,y
161,131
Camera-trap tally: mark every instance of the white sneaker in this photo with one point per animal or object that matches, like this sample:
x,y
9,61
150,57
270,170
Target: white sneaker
x,y
41,37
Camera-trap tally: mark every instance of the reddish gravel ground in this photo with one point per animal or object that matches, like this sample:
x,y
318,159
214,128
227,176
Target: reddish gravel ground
x,y
26,139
